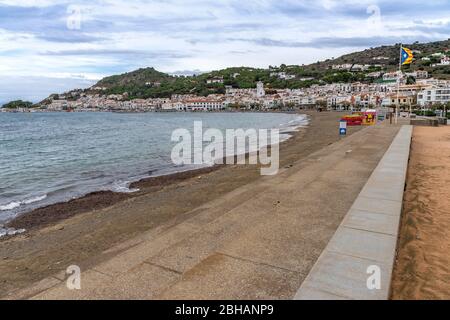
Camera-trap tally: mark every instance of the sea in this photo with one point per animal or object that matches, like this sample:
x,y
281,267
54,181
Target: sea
x,y
47,158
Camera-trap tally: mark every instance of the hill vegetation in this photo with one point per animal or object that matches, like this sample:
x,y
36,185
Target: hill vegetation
x,y
150,83
17,104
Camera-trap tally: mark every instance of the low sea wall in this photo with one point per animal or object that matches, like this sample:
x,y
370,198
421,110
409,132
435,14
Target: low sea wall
x,y
359,260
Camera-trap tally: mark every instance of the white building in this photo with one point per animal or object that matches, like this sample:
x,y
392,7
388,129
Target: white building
x,y
57,105
282,75
300,101
346,66
214,80
380,58
445,61
338,102
393,76
433,96
374,75
173,106
307,79
204,105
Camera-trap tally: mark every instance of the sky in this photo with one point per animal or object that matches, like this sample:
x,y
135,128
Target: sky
x,y
50,46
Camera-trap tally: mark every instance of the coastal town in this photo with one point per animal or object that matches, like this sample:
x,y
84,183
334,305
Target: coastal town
x,y
380,90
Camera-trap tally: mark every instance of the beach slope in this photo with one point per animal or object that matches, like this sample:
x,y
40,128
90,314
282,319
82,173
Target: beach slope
x,y
227,234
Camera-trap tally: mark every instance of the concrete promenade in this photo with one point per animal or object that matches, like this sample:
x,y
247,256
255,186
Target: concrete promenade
x,y
259,241
367,238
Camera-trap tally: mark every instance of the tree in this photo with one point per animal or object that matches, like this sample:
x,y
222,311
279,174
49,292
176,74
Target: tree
x,y
411,80
346,105
446,108
438,106
321,104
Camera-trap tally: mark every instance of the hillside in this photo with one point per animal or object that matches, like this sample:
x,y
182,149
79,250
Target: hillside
x,y
421,50
149,83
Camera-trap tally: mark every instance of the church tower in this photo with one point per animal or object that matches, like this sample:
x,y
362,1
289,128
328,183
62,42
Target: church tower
x,y
260,92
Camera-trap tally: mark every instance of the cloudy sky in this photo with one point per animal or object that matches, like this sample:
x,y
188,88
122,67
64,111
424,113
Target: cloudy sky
x,y
55,45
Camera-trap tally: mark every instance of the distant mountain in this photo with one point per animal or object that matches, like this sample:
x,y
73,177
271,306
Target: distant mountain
x,y
187,73
150,83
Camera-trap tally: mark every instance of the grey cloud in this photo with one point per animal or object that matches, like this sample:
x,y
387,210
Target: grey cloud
x,y
440,27
336,42
113,52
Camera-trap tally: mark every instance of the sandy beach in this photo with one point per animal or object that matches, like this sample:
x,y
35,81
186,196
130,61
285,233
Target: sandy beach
x,y
422,270
327,180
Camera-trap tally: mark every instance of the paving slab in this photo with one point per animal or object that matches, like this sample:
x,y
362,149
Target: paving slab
x,y
388,207
92,284
308,293
235,278
383,191
41,286
345,276
148,282
135,256
373,246
374,222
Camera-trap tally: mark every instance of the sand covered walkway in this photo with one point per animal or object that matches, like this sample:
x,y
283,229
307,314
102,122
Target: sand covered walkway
x,y
423,265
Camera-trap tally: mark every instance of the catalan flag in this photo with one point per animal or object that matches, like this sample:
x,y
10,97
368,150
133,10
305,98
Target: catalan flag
x,y
407,56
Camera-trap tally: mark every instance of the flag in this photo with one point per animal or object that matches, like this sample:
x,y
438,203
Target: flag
x,y
407,56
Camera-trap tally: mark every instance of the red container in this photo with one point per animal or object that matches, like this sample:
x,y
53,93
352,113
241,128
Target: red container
x,y
353,121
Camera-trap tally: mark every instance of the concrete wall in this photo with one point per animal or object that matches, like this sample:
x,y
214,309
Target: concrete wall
x,y
425,122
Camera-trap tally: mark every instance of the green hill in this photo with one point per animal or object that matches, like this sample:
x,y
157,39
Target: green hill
x,y
149,83
17,104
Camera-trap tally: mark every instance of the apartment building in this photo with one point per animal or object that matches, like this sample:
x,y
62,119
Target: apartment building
x,y
204,105
433,96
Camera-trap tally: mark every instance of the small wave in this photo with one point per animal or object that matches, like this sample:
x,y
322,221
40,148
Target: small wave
x,y
10,206
16,204
10,231
36,199
284,137
293,126
123,187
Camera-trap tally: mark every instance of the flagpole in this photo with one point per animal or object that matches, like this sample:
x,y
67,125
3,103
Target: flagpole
x,y
398,85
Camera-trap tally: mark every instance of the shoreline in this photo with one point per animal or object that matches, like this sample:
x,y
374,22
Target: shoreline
x,y
157,111
53,213
90,237
98,199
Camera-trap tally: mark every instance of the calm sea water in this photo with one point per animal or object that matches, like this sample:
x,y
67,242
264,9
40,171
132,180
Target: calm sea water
x,y
52,157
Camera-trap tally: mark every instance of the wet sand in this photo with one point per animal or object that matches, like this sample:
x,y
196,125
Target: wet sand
x,y
55,213
422,269
93,229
